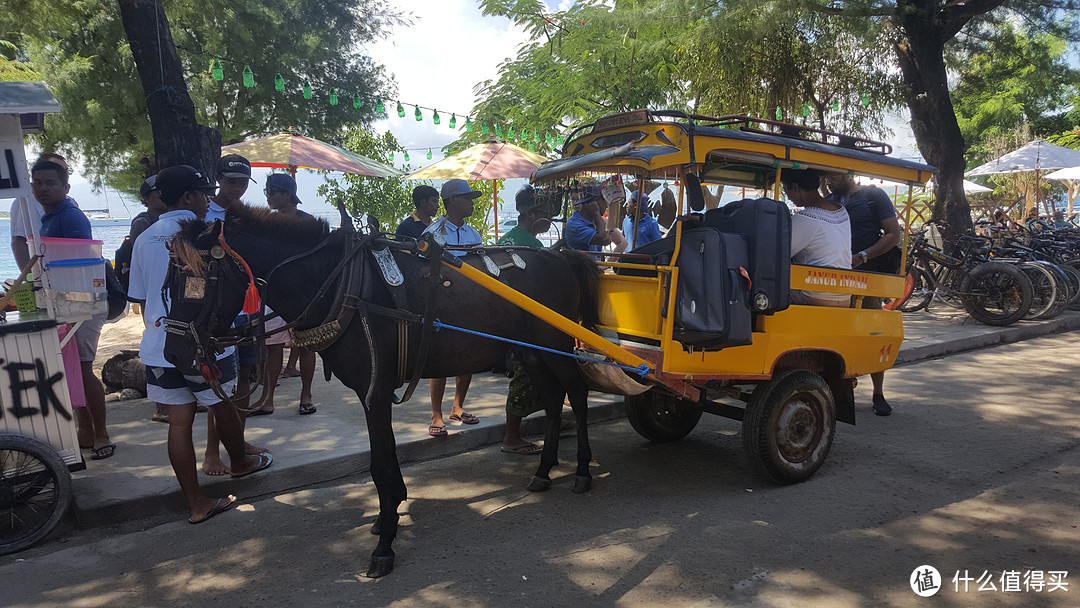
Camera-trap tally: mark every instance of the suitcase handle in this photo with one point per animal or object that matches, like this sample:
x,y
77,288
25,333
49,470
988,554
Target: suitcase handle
x,y
733,284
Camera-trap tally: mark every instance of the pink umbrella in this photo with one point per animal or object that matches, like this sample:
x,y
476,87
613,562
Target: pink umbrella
x,y
296,151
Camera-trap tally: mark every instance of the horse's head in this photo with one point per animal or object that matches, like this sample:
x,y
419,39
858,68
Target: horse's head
x,y
206,286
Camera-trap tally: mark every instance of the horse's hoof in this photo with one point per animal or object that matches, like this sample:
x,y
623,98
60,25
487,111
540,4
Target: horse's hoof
x,y
376,528
380,566
539,485
581,484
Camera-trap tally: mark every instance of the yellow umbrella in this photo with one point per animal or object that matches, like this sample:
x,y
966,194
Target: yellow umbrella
x,y
491,159
292,151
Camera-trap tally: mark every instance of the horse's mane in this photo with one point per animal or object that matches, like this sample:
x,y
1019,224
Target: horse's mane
x,y
261,221
304,231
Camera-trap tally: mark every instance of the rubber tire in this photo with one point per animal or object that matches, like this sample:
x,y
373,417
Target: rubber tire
x,y
42,458
1046,297
661,417
1074,283
800,403
921,294
1016,284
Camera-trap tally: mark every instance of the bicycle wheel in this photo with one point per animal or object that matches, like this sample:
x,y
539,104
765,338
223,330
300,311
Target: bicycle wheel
x,y
35,491
1046,298
996,294
1074,281
922,291
1065,290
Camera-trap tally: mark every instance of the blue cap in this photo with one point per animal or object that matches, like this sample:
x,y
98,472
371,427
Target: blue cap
x,y
636,194
282,181
591,193
459,187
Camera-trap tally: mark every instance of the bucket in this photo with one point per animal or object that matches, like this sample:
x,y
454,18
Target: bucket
x,y
76,288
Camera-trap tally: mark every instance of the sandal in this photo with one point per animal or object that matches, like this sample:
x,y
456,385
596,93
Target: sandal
x,y
307,408
465,418
105,451
527,449
436,431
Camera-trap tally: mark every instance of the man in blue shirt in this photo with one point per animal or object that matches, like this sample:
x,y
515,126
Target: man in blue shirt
x,y
586,229
648,230
62,219
459,199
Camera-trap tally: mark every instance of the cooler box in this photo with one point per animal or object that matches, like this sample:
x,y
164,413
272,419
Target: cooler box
x,y
73,278
76,288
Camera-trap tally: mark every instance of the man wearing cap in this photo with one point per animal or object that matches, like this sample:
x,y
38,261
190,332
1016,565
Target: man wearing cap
x,y
184,191
458,199
586,230
151,198
233,176
426,201
281,196
647,229
533,219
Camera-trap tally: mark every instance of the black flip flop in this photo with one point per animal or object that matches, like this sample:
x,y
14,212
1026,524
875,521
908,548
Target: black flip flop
x,y
307,408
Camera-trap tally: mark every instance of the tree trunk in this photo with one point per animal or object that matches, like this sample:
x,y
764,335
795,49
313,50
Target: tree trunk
x,y
933,120
178,137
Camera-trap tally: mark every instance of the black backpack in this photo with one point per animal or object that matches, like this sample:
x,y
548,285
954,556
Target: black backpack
x,y
122,262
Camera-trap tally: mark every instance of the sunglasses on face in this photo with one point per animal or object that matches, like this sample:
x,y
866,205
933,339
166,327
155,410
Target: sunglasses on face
x,y
269,191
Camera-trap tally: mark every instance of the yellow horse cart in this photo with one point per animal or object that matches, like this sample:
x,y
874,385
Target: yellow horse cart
x,y
791,375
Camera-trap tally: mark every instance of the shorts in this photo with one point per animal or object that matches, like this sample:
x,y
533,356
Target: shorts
x,y
521,395
168,386
86,338
281,338
249,355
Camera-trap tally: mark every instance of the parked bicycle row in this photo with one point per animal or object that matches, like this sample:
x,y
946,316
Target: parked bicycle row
x,y
1032,273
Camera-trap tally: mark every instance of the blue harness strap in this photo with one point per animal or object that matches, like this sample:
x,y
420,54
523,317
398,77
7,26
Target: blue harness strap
x,y
642,370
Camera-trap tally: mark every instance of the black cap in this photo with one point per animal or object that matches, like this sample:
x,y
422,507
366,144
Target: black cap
x,y
234,165
525,200
147,186
173,182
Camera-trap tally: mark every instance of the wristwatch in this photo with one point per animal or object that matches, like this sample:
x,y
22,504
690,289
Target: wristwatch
x,y
864,256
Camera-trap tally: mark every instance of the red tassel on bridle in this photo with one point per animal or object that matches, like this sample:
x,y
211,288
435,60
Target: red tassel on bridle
x,y
252,301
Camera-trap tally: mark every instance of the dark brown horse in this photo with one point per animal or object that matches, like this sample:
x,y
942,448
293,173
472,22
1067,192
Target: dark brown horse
x,y
307,281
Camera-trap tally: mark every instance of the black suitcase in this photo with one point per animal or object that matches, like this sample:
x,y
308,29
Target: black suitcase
x,y
766,224
712,303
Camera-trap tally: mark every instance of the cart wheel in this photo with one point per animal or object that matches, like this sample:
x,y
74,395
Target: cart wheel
x,y
788,426
35,491
660,417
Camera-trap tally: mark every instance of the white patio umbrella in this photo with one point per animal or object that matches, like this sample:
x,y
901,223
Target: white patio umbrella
x,y
1038,156
1071,177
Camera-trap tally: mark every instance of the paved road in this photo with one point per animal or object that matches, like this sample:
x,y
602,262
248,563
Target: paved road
x,y
978,470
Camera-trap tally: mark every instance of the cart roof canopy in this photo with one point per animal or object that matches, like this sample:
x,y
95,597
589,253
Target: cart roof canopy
x,y
31,101
734,150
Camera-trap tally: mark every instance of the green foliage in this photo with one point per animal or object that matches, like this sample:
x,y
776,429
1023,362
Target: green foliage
x,y
596,58
389,199
1007,79
80,50
1068,139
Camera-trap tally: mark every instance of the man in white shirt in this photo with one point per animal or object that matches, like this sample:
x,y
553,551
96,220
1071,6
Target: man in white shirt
x,y
459,201
184,191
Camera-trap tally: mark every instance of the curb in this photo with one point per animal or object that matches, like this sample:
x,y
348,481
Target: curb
x,y
994,337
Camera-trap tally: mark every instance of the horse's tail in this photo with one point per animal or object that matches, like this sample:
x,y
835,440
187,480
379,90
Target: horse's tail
x,y
586,273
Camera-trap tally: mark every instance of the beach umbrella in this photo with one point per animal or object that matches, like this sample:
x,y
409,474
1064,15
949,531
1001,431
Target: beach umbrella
x,y
1071,177
294,152
492,159
1033,156
1038,156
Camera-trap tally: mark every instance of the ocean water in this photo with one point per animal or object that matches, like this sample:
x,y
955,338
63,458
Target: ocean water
x,y
110,232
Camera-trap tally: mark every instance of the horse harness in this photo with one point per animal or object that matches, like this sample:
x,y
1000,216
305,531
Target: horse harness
x,y
347,301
